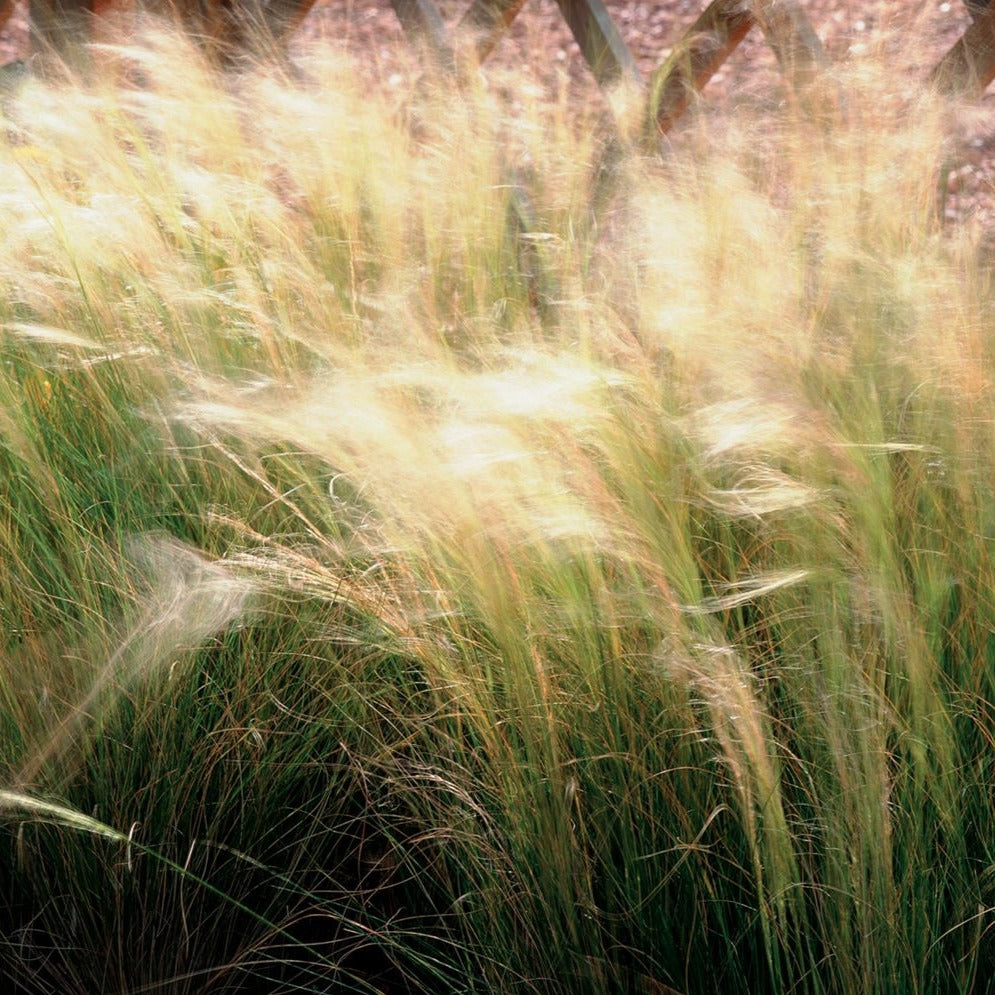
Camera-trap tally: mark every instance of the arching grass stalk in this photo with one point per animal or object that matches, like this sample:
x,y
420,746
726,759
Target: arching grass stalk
x,y
323,971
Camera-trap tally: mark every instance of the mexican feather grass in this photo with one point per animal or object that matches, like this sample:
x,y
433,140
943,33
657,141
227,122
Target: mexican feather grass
x,y
395,600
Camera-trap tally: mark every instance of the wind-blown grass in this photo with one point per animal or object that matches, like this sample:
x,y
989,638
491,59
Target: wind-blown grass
x,y
394,600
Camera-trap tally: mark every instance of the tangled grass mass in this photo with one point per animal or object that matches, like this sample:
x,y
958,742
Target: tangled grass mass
x,y
399,598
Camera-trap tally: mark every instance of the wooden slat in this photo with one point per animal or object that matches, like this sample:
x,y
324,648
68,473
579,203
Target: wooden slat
x,y
234,27
600,42
715,35
6,9
284,17
225,26
112,21
57,25
790,34
421,20
969,66
487,21
695,59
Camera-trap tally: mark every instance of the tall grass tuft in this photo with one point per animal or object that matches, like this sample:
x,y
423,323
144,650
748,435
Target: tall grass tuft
x,y
405,592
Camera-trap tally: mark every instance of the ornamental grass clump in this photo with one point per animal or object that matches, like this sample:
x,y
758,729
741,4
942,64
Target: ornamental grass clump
x,y
415,581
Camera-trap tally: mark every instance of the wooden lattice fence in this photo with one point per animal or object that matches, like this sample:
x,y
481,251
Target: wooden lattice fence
x,y
968,67
229,26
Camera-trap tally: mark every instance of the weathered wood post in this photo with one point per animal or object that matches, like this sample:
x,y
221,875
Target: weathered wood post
x,y
227,28
61,25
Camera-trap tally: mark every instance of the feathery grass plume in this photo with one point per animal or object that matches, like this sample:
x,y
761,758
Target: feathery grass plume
x,y
188,601
14,802
745,738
